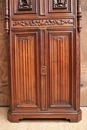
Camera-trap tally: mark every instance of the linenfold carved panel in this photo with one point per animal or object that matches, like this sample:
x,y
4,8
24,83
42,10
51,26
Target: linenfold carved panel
x,y
59,51
25,75
25,48
25,5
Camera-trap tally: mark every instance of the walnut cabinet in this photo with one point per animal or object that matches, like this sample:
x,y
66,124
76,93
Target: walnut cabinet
x,y
44,53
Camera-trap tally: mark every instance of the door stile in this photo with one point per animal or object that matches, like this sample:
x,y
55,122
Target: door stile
x,y
44,85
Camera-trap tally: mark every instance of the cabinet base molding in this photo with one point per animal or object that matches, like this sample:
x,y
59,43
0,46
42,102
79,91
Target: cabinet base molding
x,y
74,116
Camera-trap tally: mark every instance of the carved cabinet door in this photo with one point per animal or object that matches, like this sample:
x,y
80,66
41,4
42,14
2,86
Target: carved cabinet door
x,y
43,57
25,67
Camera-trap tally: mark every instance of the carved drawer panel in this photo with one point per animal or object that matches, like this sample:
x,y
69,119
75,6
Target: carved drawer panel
x,y
38,23
61,6
24,6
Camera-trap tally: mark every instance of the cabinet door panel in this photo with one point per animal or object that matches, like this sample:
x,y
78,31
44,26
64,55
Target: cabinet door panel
x,y
61,7
25,62
24,7
62,63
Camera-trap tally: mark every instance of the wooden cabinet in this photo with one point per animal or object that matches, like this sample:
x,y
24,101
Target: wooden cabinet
x,y
44,49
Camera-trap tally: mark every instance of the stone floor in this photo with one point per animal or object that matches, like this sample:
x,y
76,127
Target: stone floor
x,y
42,124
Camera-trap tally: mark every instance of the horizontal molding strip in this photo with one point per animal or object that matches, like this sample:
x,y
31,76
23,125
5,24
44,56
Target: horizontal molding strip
x,y
51,22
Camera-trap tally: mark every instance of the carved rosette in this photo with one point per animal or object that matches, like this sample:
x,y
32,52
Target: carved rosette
x,y
44,22
7,16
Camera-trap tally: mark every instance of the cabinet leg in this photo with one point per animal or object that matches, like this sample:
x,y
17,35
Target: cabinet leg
x,y
12,118
74,120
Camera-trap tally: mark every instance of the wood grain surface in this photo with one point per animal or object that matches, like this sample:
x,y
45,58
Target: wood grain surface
x,y
4,89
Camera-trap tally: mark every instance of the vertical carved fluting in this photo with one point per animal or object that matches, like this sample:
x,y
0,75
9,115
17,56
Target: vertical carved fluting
x,y
59,69
6,16
25,70
79,15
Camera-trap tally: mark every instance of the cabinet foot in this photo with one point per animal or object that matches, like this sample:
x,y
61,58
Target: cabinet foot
x,y
77,117
74,120
11,118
